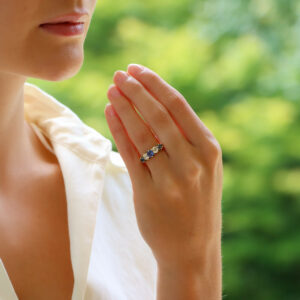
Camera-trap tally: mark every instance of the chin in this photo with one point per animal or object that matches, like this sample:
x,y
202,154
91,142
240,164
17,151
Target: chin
x,y
61,75
59,72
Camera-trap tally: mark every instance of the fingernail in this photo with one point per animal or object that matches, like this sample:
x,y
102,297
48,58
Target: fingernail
x,y
135,68
114,92
121,76
110,109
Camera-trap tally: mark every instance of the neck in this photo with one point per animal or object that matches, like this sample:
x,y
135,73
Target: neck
x,y
14,133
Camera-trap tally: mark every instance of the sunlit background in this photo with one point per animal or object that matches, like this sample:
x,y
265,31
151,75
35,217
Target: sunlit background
x,y
237,62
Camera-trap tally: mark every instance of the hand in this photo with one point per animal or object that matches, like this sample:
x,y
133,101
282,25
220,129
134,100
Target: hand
x,y
177,193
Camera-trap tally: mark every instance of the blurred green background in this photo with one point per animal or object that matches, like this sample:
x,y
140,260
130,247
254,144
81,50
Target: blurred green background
x,y
237,62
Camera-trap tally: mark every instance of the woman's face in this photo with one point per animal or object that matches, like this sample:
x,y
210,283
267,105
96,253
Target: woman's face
x,y
30,51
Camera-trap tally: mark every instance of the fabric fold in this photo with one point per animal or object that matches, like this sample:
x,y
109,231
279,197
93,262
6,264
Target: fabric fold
x,y
82,154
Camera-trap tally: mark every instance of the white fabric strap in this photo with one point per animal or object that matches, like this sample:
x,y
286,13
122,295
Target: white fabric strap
x,y
41,137
6,288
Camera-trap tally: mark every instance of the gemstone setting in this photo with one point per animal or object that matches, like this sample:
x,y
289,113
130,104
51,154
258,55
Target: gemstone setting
x,y
151,152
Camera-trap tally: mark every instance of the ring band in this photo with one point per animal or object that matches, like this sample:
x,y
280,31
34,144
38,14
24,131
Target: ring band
x,y
151,152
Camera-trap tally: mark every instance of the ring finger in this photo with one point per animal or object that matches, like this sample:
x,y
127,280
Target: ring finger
x,y
138,131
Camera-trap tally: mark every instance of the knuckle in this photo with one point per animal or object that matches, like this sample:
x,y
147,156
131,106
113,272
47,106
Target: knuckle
x,y
160,116
170,191
134,86
167,183
122,108
216,149
213,155
176,100
149,76
142,137
192,166
192,171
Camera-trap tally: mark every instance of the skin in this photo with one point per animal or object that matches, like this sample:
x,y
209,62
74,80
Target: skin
x,y
28,171
24,49
177,194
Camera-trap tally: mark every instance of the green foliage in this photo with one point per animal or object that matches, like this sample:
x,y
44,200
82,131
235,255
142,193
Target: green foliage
x,y
237,63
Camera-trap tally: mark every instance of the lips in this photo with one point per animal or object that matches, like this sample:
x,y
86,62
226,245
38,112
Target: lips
x,y
61,23
71,17
68,24
64,28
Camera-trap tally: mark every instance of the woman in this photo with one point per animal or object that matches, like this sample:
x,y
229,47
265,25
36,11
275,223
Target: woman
x,y
77,220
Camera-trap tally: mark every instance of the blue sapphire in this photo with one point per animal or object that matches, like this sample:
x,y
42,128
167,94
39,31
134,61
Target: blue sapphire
x,y
143,159
150,153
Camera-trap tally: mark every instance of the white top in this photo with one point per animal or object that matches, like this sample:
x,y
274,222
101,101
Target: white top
x,y
110,259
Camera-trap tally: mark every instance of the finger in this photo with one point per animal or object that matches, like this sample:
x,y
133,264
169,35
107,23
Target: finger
x,y
181,112
154,114
139,133
138,173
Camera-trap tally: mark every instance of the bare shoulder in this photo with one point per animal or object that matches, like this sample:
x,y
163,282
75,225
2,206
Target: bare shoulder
x,y
33,226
